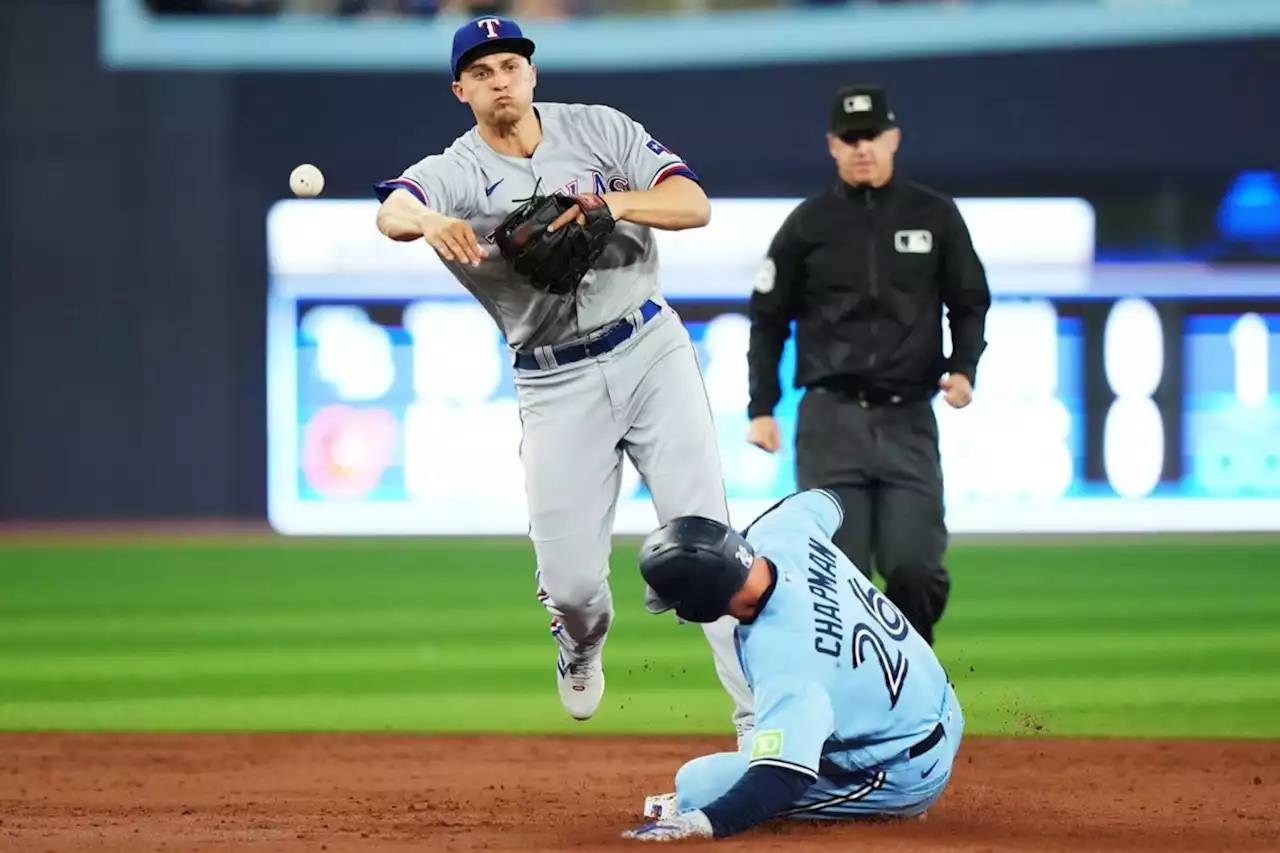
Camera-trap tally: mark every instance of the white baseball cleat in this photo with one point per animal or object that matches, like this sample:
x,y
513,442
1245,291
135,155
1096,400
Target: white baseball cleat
x,y
580,680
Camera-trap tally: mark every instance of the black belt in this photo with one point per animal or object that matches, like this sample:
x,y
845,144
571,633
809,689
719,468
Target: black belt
x,y
832,747
865,395
933,739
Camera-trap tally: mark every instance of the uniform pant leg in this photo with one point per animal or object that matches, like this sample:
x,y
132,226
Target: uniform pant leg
x,y
703,780
911,534
834,447
671,438
903,788
573,470
907,789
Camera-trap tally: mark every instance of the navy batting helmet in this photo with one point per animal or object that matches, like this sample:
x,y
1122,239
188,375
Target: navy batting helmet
x,y
695,565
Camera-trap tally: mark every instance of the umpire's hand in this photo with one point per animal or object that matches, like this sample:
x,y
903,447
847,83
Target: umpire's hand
x,y
763,433
957,390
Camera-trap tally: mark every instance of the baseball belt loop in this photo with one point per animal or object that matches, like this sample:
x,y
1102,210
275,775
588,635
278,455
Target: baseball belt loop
x,y
636,320
545,356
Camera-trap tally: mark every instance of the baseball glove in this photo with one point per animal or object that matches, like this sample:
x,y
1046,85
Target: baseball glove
x,y
554,261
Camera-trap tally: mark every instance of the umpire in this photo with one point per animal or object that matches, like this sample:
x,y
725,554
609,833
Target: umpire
x,y
863,269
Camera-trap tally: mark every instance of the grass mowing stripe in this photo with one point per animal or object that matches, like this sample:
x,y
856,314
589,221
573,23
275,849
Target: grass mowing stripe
x,y
232,624
1153,666
662,659
1107,639
993,641
1249,651
1012,616
988,711
705,710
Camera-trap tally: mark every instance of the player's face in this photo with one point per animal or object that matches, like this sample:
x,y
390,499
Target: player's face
x,y
498,87
865,159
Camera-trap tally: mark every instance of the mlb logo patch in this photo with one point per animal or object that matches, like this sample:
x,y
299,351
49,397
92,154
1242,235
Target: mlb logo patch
x,y
766,276
913,242
857,104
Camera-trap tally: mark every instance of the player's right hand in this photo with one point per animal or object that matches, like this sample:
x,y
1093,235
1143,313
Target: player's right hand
x,y
452,239
763,433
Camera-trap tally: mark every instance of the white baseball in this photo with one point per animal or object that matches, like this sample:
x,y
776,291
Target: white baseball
x,y
306,181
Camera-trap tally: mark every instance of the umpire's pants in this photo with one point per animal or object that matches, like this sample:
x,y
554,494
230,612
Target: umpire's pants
x,y
883,461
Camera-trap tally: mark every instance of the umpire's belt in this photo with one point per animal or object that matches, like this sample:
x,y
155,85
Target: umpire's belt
x,y
598,346
865,396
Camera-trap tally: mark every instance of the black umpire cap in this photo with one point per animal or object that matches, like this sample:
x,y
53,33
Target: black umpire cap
x,y
861,109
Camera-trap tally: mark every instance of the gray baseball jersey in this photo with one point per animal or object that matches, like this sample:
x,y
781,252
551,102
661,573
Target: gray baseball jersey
x,y
645,398
584,149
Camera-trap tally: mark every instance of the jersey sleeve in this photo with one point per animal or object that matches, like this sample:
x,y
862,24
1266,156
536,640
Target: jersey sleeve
x,y
436,181
801,511
966,295
794,718
772,308
643,160
822,507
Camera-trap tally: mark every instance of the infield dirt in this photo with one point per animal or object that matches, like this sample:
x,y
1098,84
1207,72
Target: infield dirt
x,y
254,793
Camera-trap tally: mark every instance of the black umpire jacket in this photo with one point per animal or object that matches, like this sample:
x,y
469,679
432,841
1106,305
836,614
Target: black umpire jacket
x,y
864,274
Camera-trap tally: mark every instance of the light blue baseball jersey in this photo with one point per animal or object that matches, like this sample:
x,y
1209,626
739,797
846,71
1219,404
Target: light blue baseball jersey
x,y
841,680
585,148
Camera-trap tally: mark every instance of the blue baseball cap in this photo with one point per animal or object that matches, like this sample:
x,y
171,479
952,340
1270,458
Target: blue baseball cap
x,y
485,35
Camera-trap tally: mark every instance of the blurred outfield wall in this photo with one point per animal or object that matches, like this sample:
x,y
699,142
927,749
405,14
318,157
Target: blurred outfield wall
x,y
134,358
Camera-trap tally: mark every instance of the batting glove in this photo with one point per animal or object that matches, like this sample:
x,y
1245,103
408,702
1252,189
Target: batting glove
x,y
690,824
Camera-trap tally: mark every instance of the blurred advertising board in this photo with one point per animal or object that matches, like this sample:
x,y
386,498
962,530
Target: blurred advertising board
x,y
1126,397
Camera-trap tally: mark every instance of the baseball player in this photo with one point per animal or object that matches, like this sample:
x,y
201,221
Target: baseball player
x,y
855,717
602,365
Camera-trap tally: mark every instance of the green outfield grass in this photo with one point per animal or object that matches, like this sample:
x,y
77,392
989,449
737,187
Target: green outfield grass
x,y
1148,638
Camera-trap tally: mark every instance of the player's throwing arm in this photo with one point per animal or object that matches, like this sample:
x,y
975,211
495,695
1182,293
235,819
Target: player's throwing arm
x,y
405,219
